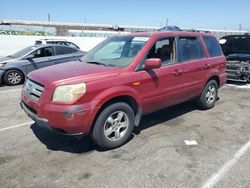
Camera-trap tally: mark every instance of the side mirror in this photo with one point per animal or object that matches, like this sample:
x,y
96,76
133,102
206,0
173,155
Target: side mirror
x,y
152,63
30,56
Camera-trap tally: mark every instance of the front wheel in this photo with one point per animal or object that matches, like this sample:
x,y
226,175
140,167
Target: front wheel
x,y
209,95
114,126
13,77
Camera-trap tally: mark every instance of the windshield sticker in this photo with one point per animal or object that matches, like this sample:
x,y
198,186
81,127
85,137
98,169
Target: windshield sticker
x,y
141,39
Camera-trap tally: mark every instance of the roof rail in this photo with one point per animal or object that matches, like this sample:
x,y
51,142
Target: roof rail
x,y
197,31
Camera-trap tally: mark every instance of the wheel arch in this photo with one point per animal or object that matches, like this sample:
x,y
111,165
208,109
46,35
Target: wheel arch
x,y
128,99
214,77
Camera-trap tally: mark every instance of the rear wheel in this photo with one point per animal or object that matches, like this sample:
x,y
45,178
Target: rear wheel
x,y
13,77
113,126
209,95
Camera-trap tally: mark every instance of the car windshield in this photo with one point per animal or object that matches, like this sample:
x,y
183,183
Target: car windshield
x,y
22,52
116,51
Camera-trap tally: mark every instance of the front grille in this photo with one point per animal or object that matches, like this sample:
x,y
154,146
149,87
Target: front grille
x,y
34,90
233,67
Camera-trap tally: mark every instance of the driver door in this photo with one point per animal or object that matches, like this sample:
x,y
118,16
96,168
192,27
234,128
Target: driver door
x,y
162,87
41,58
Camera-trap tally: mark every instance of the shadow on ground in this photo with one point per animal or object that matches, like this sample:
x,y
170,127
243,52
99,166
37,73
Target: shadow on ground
x,y
237,83
163,116
57,142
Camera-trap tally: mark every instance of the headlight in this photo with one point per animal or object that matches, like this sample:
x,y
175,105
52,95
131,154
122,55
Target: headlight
x,y
69,93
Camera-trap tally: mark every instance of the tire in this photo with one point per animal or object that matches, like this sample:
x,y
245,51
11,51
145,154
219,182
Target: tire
x,y
208,96
114,126
13,77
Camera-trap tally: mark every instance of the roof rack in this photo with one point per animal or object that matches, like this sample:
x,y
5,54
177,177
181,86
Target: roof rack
x,y
197,31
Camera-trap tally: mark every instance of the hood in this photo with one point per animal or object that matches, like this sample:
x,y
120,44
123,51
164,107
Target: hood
x,y
72,72
7,59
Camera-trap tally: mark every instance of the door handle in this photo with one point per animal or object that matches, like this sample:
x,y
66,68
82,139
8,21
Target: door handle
x,y
177,72
206,66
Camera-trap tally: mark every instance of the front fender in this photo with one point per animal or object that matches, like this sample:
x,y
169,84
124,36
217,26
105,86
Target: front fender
x,y
118,91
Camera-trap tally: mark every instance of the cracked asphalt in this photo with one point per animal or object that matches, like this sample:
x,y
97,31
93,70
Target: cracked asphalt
x,y
155,156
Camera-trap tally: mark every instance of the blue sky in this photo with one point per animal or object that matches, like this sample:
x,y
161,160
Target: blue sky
x,y
213,14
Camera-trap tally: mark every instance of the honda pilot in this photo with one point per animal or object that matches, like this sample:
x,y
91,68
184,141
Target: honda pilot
x,y
106,93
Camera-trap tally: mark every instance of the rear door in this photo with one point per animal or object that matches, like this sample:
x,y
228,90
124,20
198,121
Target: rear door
x,y
195,65
65,54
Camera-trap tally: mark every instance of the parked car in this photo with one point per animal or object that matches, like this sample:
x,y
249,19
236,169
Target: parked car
x,y
57,41
14,68
237,51
124,77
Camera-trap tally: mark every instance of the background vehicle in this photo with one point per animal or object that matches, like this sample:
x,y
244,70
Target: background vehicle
x,y
14,68
237,51
57,41
106,93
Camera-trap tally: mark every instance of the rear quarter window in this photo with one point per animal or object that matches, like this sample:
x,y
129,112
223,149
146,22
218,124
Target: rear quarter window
x,y
213,46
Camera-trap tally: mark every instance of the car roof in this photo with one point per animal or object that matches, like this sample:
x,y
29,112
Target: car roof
x,y
63,40
47,45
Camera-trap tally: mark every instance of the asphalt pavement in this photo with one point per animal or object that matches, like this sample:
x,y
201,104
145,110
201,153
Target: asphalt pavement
x,y
216,152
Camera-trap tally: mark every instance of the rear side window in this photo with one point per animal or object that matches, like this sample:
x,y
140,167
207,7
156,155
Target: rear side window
x,y
213,46
190,48
72,45
60,50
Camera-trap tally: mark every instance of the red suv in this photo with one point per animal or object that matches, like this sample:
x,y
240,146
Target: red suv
x,y
121,79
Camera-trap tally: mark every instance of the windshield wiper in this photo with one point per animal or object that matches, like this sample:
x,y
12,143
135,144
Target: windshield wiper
x,y
96,63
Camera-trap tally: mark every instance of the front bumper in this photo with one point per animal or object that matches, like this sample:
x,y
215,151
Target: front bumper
x,y
71,119
236,75
43,123
1,75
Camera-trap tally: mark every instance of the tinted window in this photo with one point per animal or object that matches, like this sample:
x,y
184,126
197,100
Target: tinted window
x,y
165,50
43,52
72,45
212,46
190,48
60,50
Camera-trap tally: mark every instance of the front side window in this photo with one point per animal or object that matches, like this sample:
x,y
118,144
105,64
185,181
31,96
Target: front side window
x,y
190,48
116,51
165,50
43,52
